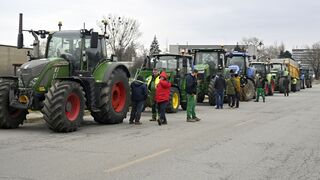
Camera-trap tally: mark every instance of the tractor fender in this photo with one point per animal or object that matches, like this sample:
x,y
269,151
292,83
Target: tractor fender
x,y
114,66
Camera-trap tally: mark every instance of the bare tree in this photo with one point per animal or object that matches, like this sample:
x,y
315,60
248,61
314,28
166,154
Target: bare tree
x,y
313,58
123,33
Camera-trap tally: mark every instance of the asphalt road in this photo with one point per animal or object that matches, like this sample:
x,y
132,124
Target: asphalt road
x,y
279,139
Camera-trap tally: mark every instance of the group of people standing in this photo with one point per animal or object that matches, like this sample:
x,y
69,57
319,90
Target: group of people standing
x,y
231,86
159,89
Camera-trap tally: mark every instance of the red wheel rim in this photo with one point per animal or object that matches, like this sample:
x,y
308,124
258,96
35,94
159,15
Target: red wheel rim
x,y
273,86
72,107
119,96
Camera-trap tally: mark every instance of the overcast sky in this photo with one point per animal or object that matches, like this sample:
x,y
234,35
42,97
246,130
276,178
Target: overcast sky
x,y
295,23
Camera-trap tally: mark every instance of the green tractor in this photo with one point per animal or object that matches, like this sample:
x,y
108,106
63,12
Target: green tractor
x,y
264,70
208,62
177,67
74,75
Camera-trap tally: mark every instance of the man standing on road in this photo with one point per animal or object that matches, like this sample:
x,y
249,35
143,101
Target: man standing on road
x,y
152,84
162,97
191,88
138,98
286,84
231,90
261,82
219,86
238,89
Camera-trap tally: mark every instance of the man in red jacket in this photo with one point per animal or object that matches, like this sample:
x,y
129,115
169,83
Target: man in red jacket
x,y
162,97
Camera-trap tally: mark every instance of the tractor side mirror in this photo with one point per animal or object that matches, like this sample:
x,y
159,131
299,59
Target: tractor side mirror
x,y
114,58
94,40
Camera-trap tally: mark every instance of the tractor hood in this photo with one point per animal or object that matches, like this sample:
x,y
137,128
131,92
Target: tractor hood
x,y
201,67
28,71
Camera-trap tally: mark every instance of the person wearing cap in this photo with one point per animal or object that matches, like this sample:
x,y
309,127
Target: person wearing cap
x,y
162,97
139,94
191,89
152,84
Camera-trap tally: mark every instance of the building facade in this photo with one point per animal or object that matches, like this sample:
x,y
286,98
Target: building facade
x,y
301,55
10,57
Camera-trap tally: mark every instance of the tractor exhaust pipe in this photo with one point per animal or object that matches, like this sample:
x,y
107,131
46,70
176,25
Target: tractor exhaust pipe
x,y
20,34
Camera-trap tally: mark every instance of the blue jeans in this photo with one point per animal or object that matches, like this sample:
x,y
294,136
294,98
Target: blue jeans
x,y
162,110
137,107
219,99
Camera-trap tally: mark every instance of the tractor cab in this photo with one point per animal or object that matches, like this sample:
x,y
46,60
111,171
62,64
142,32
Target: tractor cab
x,y
83,49
209,62
261,68
239,62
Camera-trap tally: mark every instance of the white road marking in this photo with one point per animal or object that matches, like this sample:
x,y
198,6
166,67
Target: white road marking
x,y
137,161
243,123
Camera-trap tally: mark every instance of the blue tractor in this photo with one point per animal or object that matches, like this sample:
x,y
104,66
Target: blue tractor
x,y
239,62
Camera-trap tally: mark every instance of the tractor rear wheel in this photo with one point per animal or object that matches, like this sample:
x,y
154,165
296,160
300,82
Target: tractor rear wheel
x,y
200,97
212,93
64,106
114,99
10,118
183,105
248,91
174,101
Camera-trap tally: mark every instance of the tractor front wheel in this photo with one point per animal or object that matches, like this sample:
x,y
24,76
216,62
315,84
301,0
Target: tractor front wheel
x,y
10,118
212,93
248,91
64,106
114,99
174,101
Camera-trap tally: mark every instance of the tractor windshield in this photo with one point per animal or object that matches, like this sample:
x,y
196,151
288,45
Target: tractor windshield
x,y
210,58
260,68
276,67
166,62
64,43
236,60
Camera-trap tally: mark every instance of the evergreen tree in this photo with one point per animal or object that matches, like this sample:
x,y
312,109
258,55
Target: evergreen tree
x,y
154,48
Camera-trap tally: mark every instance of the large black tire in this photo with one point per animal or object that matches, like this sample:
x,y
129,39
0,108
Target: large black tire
x,y
281,88
200,97
64,106
248,92
212,93
174,101
114,99
183,105
10,118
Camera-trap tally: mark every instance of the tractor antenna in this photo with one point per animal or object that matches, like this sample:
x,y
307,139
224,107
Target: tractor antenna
x,y
60,25
105,24
84,25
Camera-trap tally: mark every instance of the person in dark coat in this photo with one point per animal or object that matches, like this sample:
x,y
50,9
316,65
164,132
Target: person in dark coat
x,y
219,86
286,83
191,89
139,94
231,90
162,97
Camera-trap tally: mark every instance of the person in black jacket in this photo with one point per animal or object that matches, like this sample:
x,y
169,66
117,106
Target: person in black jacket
x,y
191,89
219,86
139,94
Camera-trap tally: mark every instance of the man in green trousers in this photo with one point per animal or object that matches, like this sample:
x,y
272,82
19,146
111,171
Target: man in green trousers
x,y
260,89
191,89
